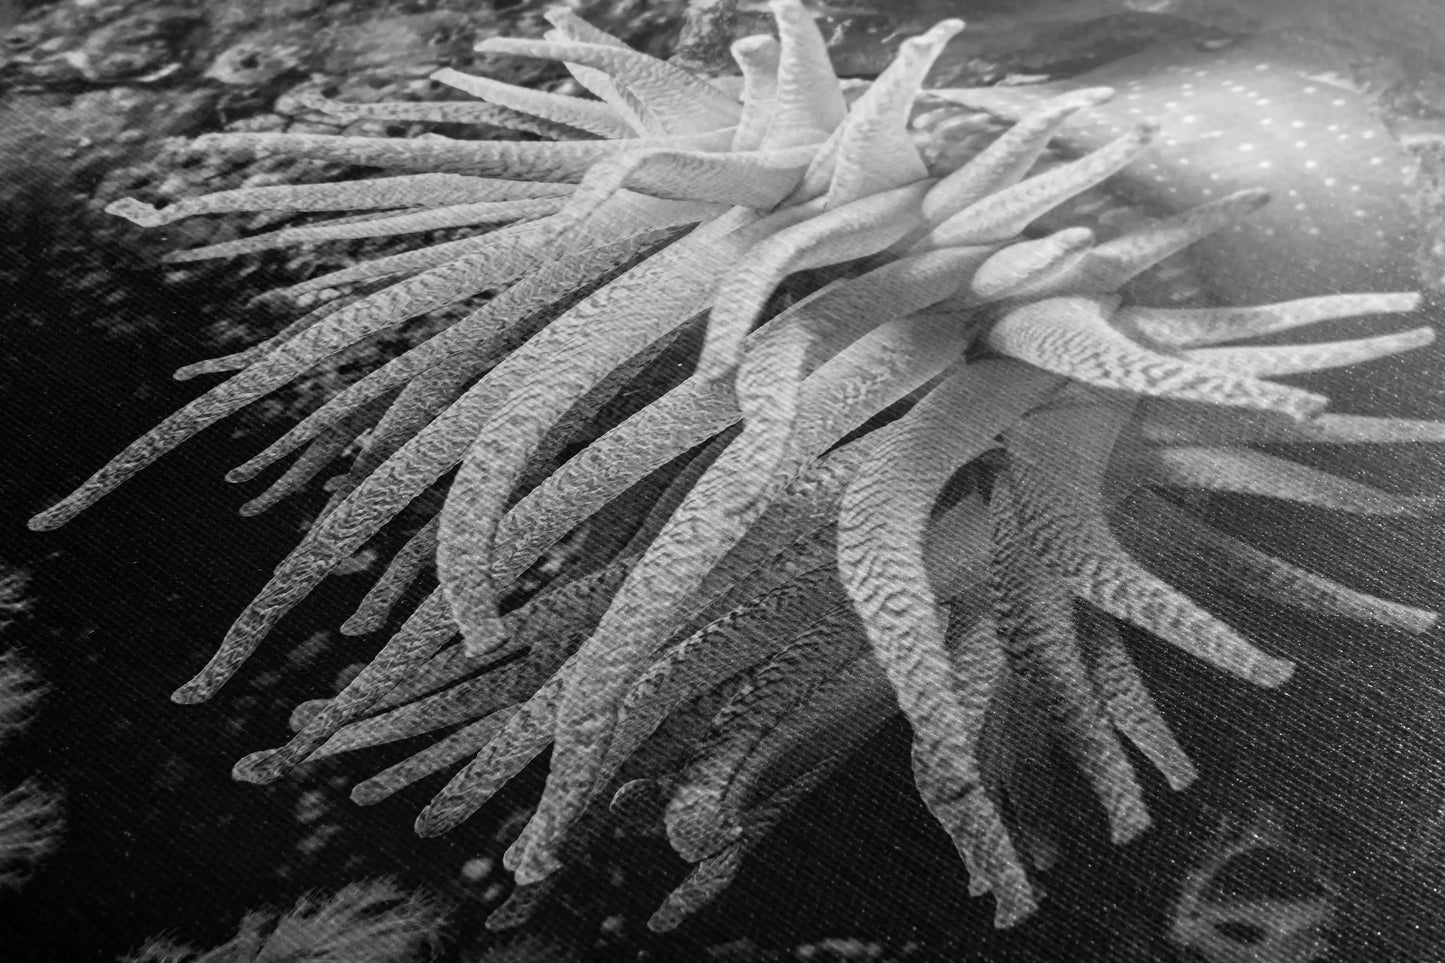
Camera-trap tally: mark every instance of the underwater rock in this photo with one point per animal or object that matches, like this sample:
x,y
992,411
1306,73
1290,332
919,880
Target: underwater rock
x,y
1253,115
1257,897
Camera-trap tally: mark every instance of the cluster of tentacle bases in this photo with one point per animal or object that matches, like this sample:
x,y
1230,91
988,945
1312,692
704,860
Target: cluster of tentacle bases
x,y
791,579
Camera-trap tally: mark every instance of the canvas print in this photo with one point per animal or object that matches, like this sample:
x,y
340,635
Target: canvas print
x,y
724,480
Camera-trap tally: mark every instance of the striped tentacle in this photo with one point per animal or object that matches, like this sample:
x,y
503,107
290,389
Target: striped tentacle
x,y
881,557
1059,508
1034,615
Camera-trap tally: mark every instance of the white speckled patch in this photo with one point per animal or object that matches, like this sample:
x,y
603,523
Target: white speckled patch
x,y
1245,117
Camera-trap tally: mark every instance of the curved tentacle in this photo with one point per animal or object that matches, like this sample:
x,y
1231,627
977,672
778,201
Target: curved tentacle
x,y
1072,336
880,530
1034,616
1059,508
589,115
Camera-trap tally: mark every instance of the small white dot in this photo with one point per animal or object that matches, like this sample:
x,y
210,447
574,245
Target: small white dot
x,y
1311,90
1354,188
1377,160
1171,104
1314,232
1246,148
1294,193
1301,145
1368,135
1331,181
1261,66
1183,162
1301,207
1266,121
1332,128
1262,101
1311,165
1361,212
1297,124
1214,177
1189,118
1339,102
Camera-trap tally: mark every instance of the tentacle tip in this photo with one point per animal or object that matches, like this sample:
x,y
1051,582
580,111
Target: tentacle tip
x,y
698,841
1011,912
430,821
1271,673
270,301
665,920
1253,198
192,693
362,623
505,917
258,768
1074,239
1424,622
494,45
1305,406
1183,778
137,212
747,47
48,520
1419,506
1129,826
302,715
1094,96
942,31
512,855
368,793
241,473
535,866
252,508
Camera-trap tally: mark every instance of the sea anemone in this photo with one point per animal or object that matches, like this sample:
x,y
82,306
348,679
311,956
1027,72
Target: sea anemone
x,y
883,486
